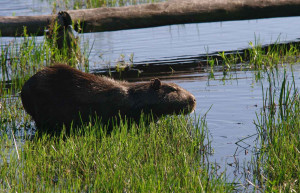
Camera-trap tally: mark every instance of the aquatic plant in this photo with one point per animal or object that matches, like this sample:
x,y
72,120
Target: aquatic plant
x,y
260,57
23,57
165,156
276,166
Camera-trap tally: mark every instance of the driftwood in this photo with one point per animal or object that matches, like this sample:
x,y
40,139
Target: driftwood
x,y
158,14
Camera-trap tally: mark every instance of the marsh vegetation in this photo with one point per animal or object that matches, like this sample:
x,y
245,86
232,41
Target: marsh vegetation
x,y
168,155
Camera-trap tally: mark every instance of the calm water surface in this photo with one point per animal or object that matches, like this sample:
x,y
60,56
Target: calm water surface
x,y
177,43
233,101
174,43
24,7
233,104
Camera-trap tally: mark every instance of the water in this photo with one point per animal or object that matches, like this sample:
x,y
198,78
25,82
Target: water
x,y
233,104
24,7
178,43
234,101
174,43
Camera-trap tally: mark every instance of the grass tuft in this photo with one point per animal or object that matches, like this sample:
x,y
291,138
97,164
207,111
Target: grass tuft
x,y
277,166
165,156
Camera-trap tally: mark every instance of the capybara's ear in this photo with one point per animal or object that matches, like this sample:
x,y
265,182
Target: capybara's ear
x,y
155,84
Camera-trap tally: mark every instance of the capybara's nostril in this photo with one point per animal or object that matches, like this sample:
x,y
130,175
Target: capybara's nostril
x,y
192,103
192,100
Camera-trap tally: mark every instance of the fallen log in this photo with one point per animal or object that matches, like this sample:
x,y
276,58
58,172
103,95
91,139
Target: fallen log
x,y
158,14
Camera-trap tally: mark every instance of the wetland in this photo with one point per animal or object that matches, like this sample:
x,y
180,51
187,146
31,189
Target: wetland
x,y
243,135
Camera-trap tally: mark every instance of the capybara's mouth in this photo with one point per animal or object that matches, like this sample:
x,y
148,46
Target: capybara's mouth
x,y
188,106
191,105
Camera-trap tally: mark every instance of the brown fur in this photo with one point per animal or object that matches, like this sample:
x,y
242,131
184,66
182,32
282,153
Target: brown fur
x,y
60,95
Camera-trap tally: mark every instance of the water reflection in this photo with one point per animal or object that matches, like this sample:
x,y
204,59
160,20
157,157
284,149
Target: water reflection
x,y
24,7
175,42
233,102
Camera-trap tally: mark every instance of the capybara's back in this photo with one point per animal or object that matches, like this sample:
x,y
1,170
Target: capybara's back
x,y
60,95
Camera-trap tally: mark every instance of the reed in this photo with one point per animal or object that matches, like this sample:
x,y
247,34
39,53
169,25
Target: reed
x,y
276,165
258,57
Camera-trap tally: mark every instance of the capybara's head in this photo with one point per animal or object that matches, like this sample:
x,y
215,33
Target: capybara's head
x,y
161,98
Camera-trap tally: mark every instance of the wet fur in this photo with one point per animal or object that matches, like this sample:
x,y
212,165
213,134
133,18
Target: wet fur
x,y
60,95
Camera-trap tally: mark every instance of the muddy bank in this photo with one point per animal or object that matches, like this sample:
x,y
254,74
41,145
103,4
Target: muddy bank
x,y
158,14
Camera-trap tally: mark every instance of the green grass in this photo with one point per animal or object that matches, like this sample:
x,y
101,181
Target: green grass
x,y
162,157
23,57
257,57
277,166
20,59
165,156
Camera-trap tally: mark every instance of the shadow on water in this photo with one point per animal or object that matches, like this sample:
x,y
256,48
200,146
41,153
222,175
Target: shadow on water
x,y
190,65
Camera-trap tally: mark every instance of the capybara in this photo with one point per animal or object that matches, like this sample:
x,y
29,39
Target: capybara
x,y
60,95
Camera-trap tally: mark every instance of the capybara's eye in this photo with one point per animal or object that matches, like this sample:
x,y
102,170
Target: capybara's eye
x,y
173,89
